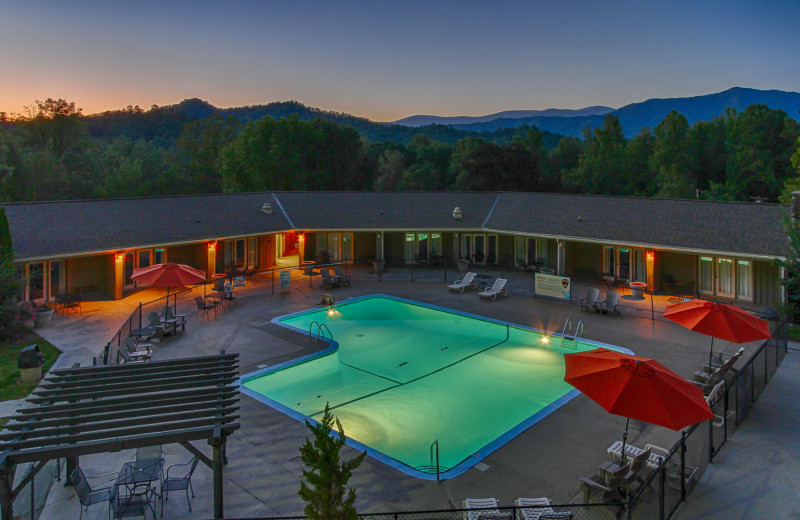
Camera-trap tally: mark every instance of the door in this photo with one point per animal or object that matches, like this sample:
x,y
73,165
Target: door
x,y
624,264
127,270
241,247
466,248
36,281
491,249
479,249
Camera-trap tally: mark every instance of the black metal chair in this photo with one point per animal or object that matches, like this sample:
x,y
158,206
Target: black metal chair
x,y
204,305
177,483
86,494
136,503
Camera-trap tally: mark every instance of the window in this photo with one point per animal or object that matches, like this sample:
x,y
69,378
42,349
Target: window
x,y
640,266
624,264
160,256
252,251
436,244
705,284
36,281
466,248
143,258
422,246
408,248
744,280
608,260
57,279
519,251
725,277
531,258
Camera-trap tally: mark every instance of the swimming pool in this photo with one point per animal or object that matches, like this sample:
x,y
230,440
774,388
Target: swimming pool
x,y
400,375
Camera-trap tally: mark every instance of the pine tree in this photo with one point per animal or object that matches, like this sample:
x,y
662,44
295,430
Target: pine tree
x,y
324,489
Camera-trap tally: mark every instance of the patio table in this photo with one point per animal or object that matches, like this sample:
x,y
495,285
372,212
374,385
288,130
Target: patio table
x,y
135,477
142,335
483,280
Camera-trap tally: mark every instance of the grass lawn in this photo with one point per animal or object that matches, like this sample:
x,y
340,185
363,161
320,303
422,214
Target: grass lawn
x,y
794,332
10,387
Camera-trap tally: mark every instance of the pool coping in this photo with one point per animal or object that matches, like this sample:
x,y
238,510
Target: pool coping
x,y
460,468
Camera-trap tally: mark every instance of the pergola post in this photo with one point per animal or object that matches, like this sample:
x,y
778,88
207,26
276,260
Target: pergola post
x,y
72,463
216,444
6,474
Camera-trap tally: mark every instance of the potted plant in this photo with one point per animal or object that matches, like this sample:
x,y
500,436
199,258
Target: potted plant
x,y
378,266
42,315
637,289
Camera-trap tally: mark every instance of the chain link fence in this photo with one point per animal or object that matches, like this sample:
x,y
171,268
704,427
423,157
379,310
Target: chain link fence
x,y
29,502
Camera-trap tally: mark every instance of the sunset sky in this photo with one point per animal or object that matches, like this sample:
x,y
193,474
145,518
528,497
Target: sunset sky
x,y
388,60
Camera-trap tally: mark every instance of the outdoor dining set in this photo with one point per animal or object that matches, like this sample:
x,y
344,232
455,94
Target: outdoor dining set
x,y
138,487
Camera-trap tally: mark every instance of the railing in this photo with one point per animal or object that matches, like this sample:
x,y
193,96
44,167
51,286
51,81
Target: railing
x,y
29,501
135,321
669,485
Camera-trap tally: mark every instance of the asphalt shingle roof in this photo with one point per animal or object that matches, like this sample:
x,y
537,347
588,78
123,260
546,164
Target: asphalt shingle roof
x,y
66,228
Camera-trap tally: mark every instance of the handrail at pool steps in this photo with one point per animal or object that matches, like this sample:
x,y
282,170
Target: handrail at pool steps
x,y
320,332
568,340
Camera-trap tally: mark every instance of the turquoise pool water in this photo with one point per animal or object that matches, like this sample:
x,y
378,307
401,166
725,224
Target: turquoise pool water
x,y
400,375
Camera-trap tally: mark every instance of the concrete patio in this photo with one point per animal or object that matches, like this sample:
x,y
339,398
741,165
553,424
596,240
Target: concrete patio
x,y
264,470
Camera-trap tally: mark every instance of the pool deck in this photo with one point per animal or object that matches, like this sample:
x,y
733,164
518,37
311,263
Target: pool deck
x,y
264,470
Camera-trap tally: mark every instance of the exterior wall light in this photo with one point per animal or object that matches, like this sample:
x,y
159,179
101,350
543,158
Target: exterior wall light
x,y
457,213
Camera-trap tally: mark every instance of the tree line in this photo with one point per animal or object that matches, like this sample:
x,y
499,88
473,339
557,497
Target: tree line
x,y
55,152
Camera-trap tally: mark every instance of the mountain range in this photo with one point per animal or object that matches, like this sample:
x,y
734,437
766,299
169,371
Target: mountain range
x,y
501,127
632,117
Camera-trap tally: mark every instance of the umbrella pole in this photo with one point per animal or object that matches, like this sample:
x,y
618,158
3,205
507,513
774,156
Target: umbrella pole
x,y
711,355
625,439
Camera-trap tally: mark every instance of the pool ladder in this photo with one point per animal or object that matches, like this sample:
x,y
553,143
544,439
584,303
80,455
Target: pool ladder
x,y
568,339
434,465
321,328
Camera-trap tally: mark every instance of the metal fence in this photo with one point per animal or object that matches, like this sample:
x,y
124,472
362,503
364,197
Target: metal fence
x,y
137,320
29,502
660,494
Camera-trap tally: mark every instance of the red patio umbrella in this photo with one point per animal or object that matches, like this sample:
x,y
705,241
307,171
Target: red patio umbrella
x,y
168,275
636,388
718,320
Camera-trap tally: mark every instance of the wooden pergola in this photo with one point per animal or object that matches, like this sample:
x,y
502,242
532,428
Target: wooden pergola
x,y
101,409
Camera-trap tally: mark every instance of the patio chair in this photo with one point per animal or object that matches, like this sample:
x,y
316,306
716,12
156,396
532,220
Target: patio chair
x,y
180,482
343,278
88,496
654,460
137,350
180,319
468,282
328,281
149,453
588,302
609,304
475,508
155,323
122,505
122,352
532,508
498,287
607,493
719,360
205,306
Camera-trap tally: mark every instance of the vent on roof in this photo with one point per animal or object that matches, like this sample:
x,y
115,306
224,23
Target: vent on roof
x,y
266,208
457,213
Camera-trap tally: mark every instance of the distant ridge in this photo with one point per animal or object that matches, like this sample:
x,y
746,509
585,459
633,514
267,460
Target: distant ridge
x,y
650,113
508,114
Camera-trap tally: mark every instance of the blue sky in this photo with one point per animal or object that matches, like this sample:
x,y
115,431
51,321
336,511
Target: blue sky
x,y
388,60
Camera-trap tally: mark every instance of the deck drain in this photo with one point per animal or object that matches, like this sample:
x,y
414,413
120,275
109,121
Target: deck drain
x,y
481,466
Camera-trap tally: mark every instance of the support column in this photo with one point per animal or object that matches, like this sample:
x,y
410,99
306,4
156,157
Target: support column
x,y
561,259
119,271
216,444
212,260
6,475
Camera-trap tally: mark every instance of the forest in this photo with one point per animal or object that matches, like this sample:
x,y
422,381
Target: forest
x,y
54,152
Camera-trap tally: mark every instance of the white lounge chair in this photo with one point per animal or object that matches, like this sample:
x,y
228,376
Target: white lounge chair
x,y
532,508
656,458
475,507
592,293
468,282
609,304
498,287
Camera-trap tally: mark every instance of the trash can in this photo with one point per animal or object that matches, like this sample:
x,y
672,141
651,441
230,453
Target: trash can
x,y
30,363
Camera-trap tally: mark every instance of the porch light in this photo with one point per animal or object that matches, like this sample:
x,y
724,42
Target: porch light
x,y
457,213
266,208
120,257
649,255
212,246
